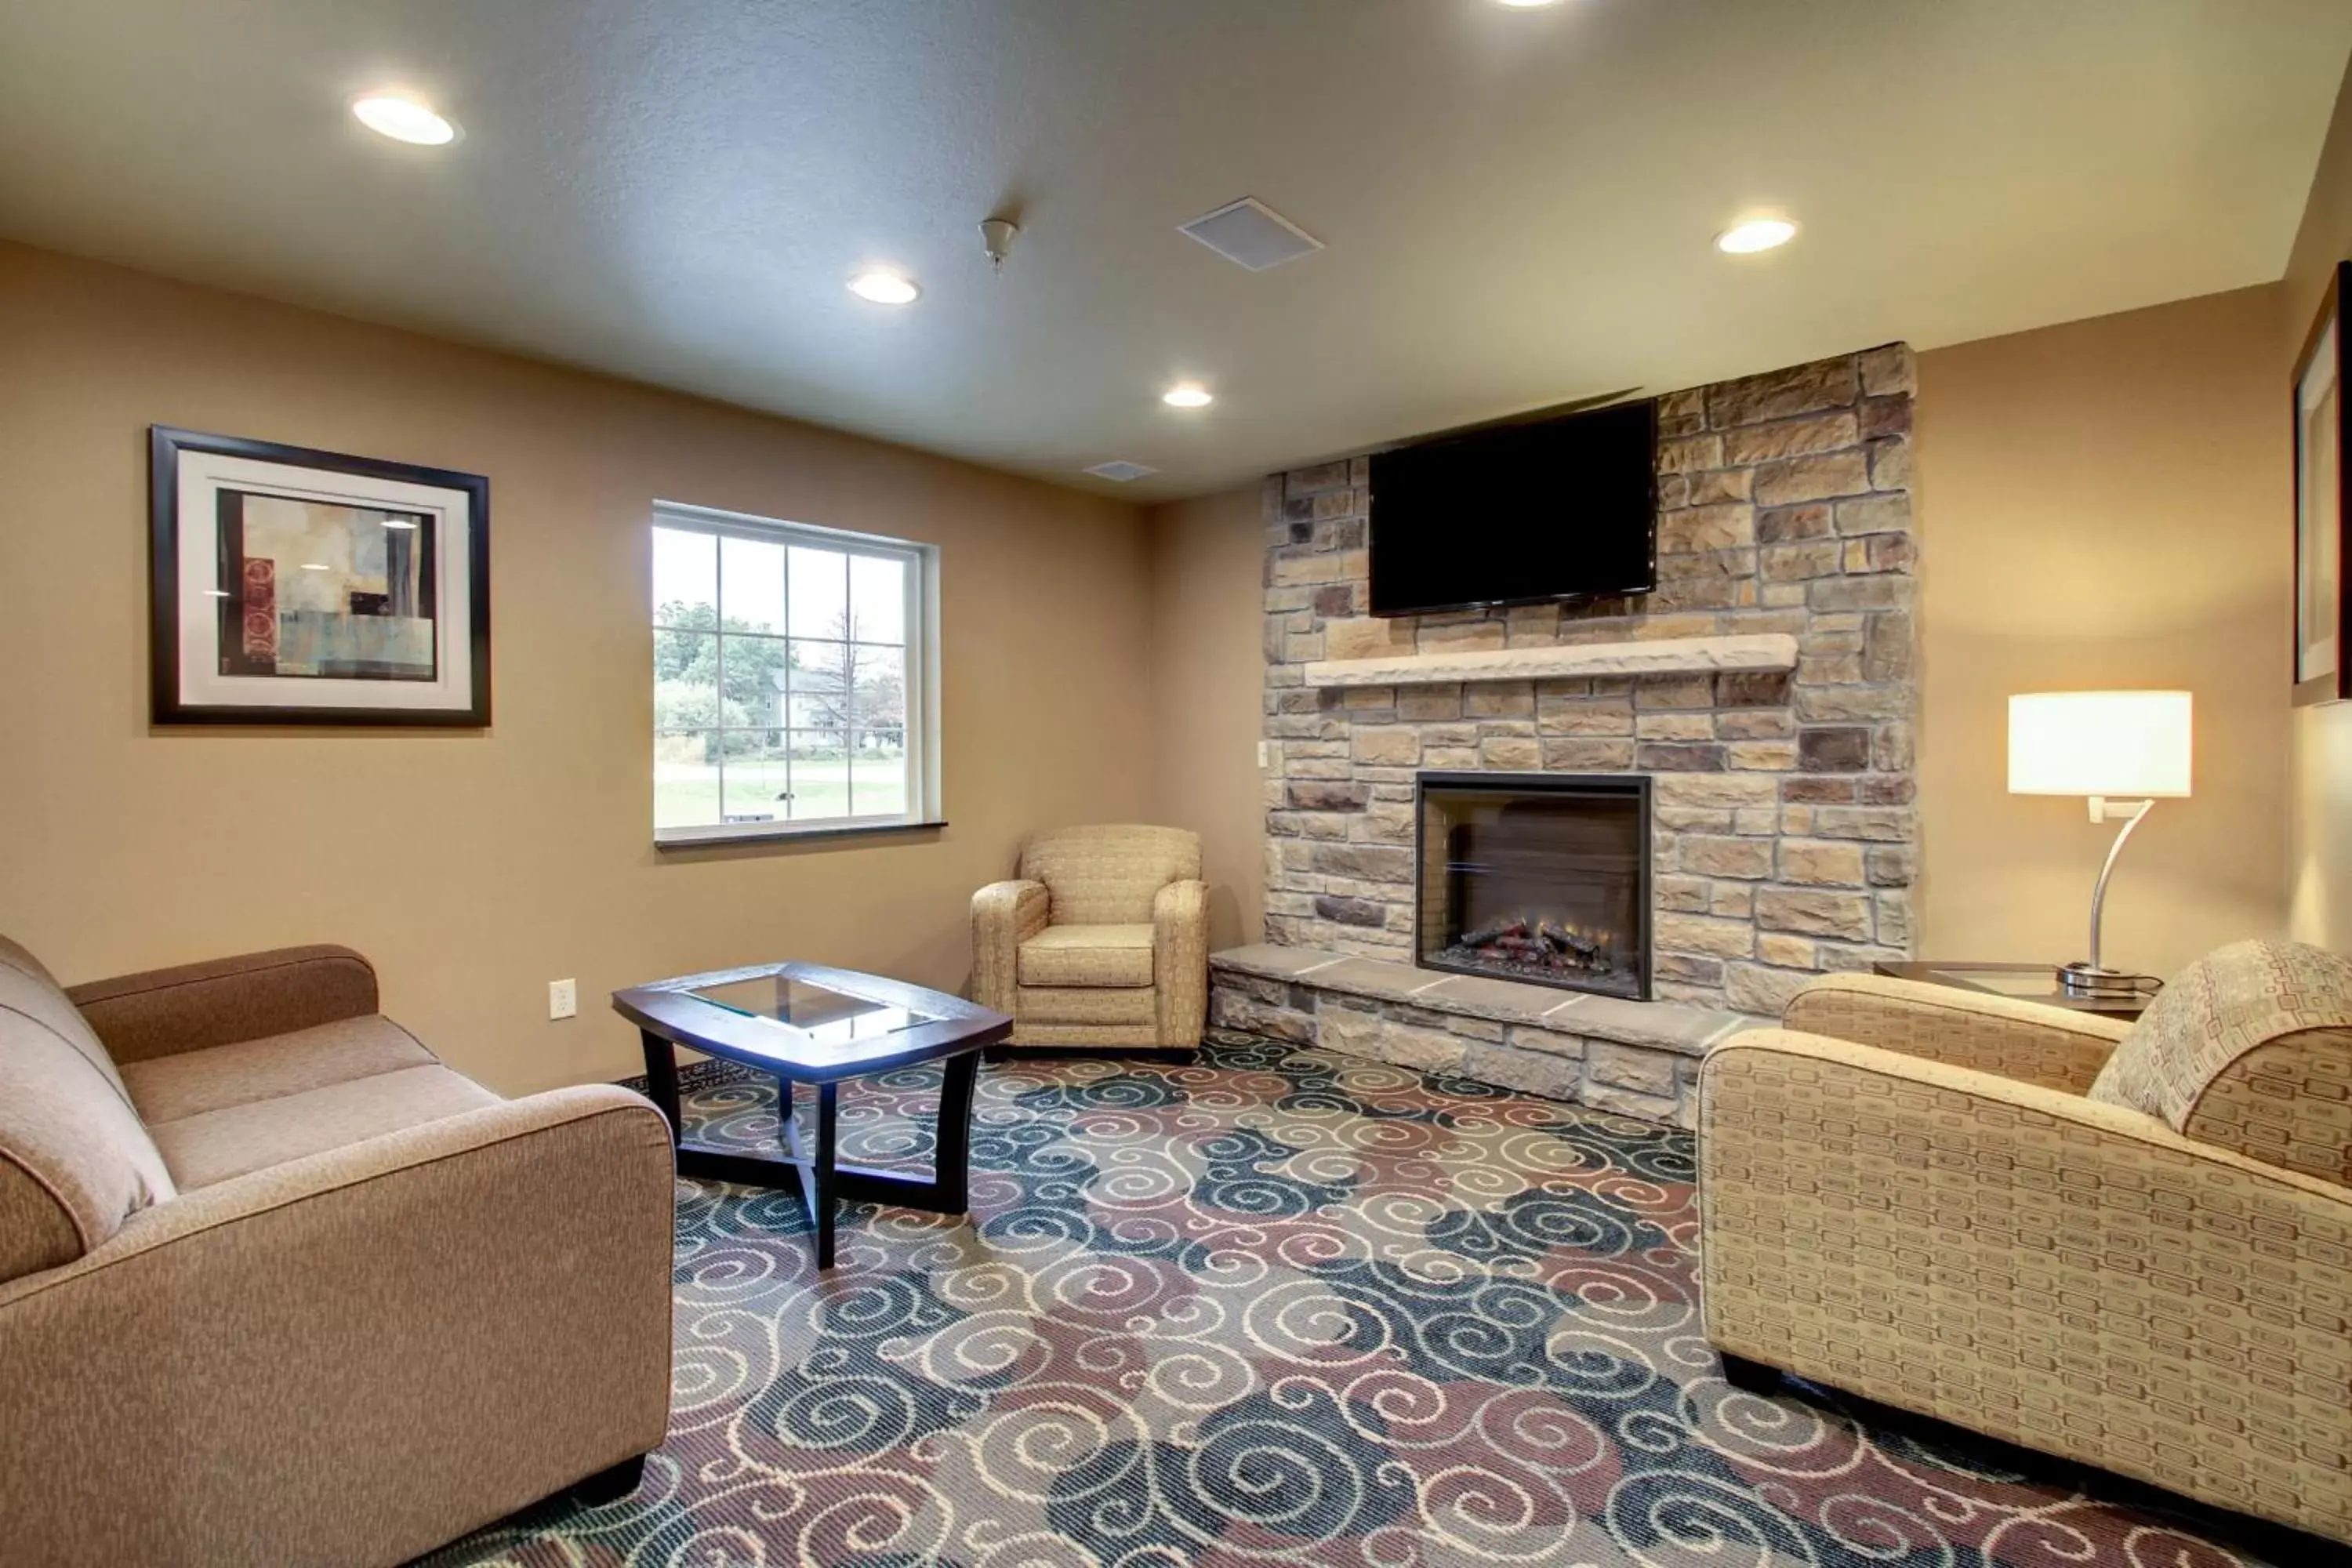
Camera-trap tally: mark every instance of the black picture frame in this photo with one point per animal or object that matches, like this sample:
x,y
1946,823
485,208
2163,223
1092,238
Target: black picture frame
x,y
2321,481
168,606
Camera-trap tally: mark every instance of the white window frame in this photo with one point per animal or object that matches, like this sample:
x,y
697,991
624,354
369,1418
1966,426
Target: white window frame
x,y
921,660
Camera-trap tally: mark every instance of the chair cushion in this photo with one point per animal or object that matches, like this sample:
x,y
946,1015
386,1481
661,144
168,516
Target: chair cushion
x,y
173,1088
30,994
2250,1048
1109,875
37,1231
1087,956
215,1145
1088,1004
73,1159
15,957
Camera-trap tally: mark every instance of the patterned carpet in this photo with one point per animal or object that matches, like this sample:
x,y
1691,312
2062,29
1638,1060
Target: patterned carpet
x,y
1278,1307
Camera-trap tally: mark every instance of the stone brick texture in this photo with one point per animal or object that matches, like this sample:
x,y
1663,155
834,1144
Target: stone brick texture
x,y
1786,830
1652,1082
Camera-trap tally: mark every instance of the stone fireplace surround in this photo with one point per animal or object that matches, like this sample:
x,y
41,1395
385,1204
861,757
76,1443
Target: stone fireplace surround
x,y
1784,830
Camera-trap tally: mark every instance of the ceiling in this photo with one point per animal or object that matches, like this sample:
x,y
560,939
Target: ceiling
x,y
1518,204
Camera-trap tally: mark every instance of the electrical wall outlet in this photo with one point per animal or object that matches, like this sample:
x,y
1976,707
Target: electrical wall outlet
x,y
563,998
1262,754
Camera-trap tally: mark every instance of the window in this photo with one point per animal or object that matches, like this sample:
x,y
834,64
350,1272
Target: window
x,y
791,692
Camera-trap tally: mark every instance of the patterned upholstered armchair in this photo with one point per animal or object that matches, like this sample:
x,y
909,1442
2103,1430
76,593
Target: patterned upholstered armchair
x,y
2130,1245
1103,940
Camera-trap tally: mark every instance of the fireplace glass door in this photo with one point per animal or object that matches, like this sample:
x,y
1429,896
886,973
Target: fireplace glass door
x,y
1539,877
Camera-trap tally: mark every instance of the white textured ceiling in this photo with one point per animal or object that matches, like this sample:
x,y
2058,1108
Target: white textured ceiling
x,y
1518,204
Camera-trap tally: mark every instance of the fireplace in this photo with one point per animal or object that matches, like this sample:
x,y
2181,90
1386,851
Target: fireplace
x,y
1536,876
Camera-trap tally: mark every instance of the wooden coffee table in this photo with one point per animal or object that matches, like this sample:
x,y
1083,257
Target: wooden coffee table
x,y
805,1023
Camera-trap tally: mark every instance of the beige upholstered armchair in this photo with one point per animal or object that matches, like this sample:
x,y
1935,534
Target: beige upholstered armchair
x,y
2128,1244
1103,940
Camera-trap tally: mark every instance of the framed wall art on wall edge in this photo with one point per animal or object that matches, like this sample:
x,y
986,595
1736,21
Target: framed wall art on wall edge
x,y
2323,633
287,585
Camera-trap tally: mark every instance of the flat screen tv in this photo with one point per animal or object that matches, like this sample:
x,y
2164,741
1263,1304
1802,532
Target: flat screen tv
x,y
1557,508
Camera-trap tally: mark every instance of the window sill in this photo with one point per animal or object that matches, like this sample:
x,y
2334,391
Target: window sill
x,y
695,838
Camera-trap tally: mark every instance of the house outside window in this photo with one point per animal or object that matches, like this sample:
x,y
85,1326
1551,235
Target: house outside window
x,y
793,681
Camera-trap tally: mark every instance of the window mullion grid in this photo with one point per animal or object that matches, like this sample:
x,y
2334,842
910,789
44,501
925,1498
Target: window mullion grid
x,y
912,648
849,687
717,738
784,730
912,692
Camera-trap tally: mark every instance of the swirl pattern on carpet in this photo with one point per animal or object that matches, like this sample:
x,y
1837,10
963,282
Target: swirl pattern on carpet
x,y
1275,1306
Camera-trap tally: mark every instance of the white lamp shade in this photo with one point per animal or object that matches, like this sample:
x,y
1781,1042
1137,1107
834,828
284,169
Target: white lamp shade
x,y
2124,743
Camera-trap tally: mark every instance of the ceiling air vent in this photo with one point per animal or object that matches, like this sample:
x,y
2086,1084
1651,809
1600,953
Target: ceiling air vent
x,y
1120,471
1250,234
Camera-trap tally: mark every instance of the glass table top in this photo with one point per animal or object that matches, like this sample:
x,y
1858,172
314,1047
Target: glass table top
x,y
821,1014
2032,982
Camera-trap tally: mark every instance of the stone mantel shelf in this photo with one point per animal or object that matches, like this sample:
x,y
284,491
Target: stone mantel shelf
x,y
1657,656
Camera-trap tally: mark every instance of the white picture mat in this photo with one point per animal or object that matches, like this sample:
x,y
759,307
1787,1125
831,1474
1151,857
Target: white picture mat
x,y
202,477
2318,494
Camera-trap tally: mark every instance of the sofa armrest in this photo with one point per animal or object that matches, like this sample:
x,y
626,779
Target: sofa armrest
x,y
351,1357
1180,961
2053,1046
163,1012
2067,1275
1004,916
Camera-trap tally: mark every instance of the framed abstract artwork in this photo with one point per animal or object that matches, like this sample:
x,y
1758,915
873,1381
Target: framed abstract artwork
x,y
2323,637
292,586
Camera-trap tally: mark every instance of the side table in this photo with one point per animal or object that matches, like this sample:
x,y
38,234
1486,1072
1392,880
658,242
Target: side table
x,y
2025,981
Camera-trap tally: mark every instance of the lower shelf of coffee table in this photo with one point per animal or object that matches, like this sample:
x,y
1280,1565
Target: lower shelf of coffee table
x,y
851,1184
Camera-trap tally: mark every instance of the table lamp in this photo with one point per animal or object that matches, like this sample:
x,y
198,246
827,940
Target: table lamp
x,y
2121,749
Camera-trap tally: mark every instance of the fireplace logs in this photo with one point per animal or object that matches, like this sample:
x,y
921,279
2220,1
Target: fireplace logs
x,y
1501,931
1540,944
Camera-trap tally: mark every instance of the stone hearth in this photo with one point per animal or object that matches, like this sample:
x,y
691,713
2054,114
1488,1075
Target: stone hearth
x,y
1637,1059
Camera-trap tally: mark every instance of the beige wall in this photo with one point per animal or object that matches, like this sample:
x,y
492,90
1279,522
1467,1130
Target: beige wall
x,y
1208,664
476,867
2099,507
2320,763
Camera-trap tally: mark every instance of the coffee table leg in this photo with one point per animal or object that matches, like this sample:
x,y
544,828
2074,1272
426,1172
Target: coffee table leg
x,y
952,1159
829,1141
661,1079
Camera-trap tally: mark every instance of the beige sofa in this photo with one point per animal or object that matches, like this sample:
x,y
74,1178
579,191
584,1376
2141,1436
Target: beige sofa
x,y
2128,1245
1102,940
278,1286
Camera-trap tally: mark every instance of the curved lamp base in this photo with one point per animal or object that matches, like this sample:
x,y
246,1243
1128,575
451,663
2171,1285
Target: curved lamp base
x,y
2094,978
2080,979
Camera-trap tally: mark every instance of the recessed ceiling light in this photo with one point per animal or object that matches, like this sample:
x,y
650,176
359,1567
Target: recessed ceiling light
x,y
403,120
1526,4
885,286
1755,234
1188,394
314,566
400,523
